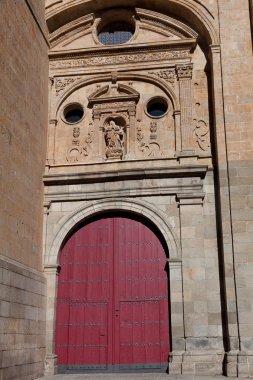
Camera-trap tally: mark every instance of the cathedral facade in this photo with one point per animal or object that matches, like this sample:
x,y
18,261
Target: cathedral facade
x,y
143,260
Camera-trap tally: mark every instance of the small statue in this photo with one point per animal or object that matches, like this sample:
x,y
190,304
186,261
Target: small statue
x,y
114,140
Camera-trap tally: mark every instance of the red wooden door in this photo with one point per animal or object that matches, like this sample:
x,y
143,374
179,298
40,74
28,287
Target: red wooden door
x,y
112,305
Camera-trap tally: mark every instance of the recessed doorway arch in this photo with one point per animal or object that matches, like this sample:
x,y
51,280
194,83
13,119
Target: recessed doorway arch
x,y
113,296
86,212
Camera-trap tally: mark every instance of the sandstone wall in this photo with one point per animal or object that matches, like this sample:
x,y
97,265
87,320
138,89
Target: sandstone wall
x,y
23,130
236,55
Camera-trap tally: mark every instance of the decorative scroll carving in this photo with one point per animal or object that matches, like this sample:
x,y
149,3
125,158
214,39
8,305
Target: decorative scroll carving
x,y
152,148
62,83
114,140
201,132
169,75
121,59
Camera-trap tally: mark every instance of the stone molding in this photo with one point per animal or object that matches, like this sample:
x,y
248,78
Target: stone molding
x,y
201,16
68,90
99,206
198,171
19,268
139,53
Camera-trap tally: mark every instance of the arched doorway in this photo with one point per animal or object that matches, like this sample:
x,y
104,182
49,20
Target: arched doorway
x,y
112,304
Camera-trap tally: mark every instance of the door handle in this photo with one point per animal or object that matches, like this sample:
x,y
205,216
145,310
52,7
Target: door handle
x,y
117,312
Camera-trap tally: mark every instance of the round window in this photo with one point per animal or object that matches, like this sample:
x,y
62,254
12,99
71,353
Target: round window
x,y
116,33
157,107
73,113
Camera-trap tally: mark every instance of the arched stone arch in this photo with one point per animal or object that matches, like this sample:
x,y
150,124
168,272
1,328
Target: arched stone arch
x,y
194,12
96,207
121,76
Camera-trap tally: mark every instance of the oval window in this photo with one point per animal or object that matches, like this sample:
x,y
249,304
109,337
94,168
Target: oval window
x,y
116,33
73,113
157,107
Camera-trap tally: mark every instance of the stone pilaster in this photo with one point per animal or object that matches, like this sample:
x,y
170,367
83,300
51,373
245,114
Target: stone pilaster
x,y
132,133
177,319
203,354
97,150
51,142
51,272
184,74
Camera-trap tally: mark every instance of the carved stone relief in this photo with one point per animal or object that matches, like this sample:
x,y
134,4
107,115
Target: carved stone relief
x,y
62,83
202,137
80,149
150,148
169,75
123,58
114,136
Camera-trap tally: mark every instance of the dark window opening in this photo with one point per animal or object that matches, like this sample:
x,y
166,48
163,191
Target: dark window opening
x,y
116,33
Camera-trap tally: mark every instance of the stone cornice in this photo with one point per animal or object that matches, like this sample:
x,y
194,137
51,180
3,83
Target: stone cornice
x,y
198,171
187,44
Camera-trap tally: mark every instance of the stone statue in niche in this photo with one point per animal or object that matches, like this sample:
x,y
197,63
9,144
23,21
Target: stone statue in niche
x,y
114,140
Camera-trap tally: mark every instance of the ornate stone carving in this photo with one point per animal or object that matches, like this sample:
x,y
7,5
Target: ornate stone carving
x,y
169,75
152,148
114,140
62,83
184,71
142,146
201,132
79,149
153,130
121,59
87,144
76,132
113,105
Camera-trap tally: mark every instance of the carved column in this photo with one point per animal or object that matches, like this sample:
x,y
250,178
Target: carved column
x,y
184,73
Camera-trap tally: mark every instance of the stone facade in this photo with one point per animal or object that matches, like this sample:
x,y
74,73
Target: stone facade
x,y
188,169
191,166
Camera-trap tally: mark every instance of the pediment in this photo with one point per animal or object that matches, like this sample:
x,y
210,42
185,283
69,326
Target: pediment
x,y
114,92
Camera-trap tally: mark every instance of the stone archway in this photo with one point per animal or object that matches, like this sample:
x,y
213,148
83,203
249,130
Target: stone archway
x,y
136,208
